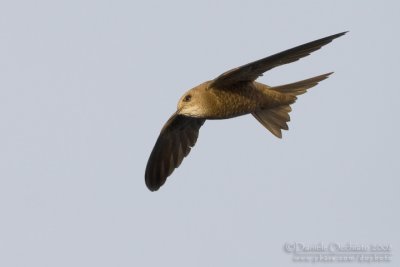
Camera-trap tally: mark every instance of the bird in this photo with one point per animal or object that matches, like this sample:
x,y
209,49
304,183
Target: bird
x,y
233,93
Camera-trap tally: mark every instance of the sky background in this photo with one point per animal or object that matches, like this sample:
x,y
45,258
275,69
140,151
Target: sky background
x,y
85,87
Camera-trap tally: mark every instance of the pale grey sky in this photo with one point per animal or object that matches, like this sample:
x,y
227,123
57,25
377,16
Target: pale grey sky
x,y
86,86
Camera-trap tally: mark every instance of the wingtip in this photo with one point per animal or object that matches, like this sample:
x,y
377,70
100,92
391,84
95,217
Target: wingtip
x,y
334,36
153,183
149,186
152,187
339,34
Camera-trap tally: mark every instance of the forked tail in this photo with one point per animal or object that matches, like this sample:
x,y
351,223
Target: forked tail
x,y
276,119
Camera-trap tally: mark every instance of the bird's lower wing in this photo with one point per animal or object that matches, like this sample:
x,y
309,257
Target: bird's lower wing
x,y
177,137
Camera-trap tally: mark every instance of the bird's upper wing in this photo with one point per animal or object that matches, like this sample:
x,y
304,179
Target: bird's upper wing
x,y
177,137
253,70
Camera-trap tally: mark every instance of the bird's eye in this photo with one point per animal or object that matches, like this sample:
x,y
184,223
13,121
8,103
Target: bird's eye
x,y
187,98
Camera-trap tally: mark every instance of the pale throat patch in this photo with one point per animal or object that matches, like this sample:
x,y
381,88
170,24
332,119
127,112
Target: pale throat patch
x,y
193,111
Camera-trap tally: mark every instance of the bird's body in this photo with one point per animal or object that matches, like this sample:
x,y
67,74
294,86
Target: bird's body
x,y
233,93
242,99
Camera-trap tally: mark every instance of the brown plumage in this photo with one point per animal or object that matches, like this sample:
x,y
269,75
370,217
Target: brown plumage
x,y
233,93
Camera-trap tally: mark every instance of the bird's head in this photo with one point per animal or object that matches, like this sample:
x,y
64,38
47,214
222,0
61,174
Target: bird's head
x,y
194,102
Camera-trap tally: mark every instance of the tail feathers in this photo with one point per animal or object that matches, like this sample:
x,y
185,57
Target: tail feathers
x,y
275,119
300,87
